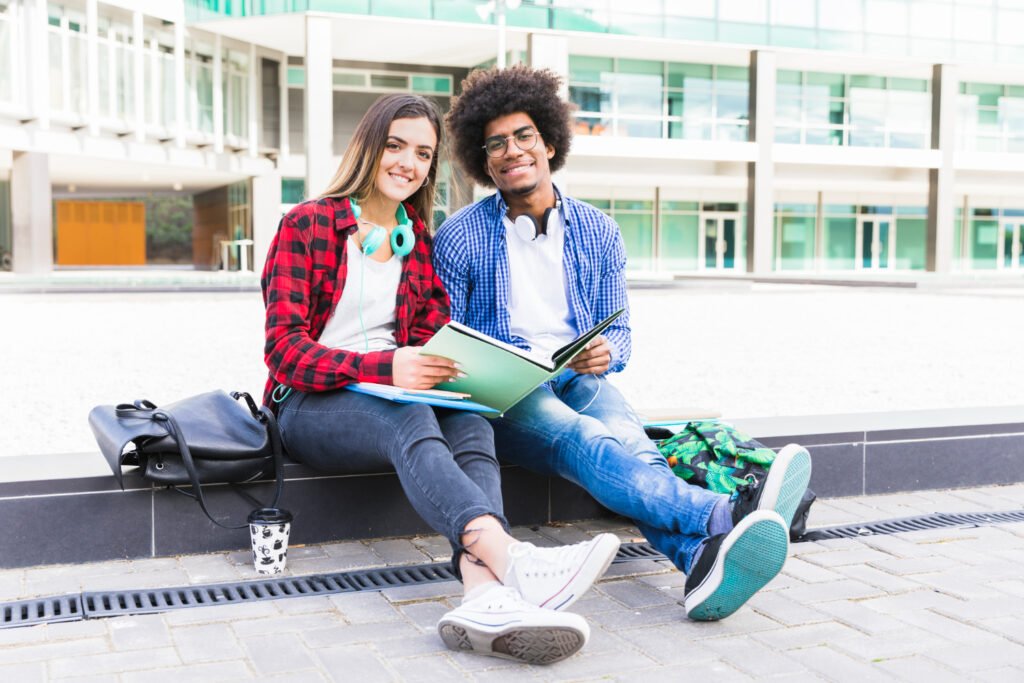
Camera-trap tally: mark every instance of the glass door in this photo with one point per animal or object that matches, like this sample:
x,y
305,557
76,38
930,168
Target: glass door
x,y
876,239
718,241
1012,246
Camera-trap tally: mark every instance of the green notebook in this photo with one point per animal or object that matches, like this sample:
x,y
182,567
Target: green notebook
x,y
499,375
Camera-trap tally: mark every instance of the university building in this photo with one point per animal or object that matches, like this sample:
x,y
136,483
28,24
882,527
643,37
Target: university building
x,y
821,137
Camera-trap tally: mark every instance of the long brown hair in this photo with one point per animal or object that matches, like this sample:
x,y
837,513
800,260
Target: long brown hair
x,y
358,168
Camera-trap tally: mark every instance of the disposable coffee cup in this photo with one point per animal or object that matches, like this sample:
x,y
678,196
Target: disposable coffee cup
x,y
269,529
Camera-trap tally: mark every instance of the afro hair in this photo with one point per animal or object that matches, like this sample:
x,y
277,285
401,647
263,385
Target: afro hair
x,y
487,95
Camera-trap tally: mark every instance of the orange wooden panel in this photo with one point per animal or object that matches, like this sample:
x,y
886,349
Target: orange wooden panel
x,y
101,233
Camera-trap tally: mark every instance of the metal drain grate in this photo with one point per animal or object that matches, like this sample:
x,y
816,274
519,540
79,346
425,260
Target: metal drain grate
x,y
98,604
905,524
42,610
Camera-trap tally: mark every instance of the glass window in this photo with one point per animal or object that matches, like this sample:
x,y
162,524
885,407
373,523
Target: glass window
x,y
638,236
747,11
678,239
794,242
983,244
911,250
1010,28
932,19
793,13
886,17
972,23
840,15
840,242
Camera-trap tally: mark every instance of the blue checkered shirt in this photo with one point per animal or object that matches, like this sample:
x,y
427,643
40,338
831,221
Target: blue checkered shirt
x,y
472,261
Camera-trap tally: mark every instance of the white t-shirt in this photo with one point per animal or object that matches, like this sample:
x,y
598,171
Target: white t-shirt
x,y
538,305
378,283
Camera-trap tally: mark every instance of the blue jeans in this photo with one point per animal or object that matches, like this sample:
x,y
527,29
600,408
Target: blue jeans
x,y
581,428
444,459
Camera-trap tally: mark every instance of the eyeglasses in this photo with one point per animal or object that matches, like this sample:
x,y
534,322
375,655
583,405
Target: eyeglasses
x,y
526,139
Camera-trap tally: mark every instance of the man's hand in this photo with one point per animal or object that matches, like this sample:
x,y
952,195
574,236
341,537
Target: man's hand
x,y
410,370
594,359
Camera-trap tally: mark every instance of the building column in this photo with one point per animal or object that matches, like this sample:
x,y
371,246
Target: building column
x,y
255,82
266,213
31,213
761,171
319,115
36,72
282,80
92,67
139,74
545,51
218,95
181,96
939,239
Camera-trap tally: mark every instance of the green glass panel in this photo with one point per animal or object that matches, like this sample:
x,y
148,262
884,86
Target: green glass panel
x,y
632,205
432,84
639,66
407,9
679,28
840,210
911,235
834,83
958,236
680,206
638,236
349,80
811,209
525,16
732,73
293,190
732,32
860,81
575,20
787,77
463,11
635,25
984,244
908,84
840,242
794,37
983,89
390,82
678,243
911,210
840,40
589,69
686,75
346,6
796,250
1014,91
603,204
297,76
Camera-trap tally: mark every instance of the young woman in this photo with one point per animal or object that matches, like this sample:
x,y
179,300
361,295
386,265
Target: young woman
x,y
350,294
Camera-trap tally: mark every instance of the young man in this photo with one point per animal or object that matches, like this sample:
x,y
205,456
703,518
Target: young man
x,y
533,267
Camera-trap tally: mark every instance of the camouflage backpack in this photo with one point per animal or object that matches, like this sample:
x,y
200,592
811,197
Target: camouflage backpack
x,y
718,457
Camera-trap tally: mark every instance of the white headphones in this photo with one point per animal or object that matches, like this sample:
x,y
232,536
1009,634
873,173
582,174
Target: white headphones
x,y
528,229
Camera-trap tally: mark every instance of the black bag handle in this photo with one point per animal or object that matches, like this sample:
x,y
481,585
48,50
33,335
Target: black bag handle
x,y
263,415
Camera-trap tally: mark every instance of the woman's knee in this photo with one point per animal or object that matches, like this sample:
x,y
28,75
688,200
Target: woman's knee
x,y
466,431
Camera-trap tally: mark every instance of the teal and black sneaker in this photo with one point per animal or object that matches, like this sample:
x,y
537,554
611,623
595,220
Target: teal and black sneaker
x,y
734,566
780,490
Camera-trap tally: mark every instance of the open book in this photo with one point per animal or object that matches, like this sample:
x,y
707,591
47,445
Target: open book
x,y
499,375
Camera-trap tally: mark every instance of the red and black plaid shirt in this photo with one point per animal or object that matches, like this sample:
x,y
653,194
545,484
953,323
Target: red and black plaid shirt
x,y
302,282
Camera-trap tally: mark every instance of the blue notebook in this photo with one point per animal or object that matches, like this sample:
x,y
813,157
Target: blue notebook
x,y
434,397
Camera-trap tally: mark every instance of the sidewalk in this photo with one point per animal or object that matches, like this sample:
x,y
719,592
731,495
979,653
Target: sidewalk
x,y
939,605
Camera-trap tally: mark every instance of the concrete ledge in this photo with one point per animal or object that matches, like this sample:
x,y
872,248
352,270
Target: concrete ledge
x,y
68,509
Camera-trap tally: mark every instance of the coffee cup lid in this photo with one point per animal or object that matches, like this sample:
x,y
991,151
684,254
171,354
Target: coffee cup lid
x,y
270,516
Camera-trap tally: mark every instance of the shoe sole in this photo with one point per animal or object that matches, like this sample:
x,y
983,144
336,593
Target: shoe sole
x,y
783,491
749,562
536,645
596,564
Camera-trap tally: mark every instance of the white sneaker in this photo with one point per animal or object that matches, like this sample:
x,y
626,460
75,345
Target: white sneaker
x,y
501,624
554,578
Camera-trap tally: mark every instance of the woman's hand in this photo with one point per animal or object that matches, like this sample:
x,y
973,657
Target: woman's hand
x,y
410,370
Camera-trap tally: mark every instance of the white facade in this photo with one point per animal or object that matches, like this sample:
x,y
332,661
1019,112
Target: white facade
x,y
714,156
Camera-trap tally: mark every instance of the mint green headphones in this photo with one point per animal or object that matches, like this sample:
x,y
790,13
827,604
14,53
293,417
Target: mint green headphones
x,y
402,237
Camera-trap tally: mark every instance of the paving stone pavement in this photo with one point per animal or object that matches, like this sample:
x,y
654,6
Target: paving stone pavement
x,y
936,605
